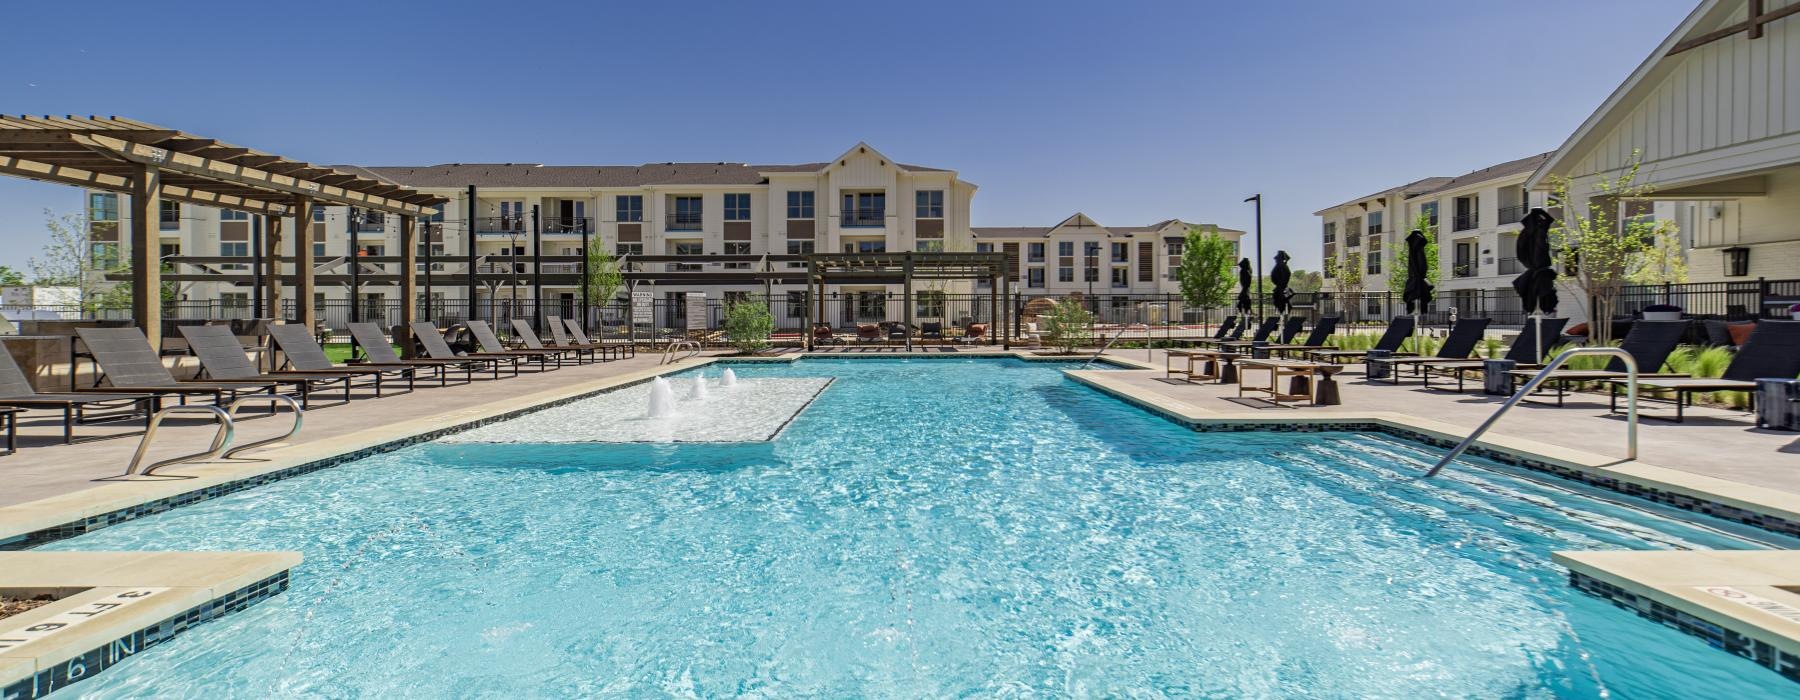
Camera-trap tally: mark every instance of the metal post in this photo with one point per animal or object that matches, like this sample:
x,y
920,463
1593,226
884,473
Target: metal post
x,y
469,235
907,299
1259,275
426,226
257,262
537,271
355,267
586,302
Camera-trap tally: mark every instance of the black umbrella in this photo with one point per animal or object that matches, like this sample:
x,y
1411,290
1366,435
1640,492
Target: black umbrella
x,y
1280,275
1537,284
1243,302
1417,292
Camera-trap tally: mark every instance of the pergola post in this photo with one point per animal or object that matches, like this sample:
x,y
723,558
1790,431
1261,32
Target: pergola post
x,y
1003,304
354,218
409,265
537,271
304,313
258,261
146,280
906,296
469,235
272,277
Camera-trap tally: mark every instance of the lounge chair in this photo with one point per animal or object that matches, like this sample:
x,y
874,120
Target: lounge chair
x,y
1461,343
1263,330
559,337
975,333
1773,351
16,392
302,353
1226,328
868,333
380,353
1650,343
581,338
490,345
129,365
1290,329
436,348
1524,352
898,332
931,330
1398,330
222,358
1314,340
523,332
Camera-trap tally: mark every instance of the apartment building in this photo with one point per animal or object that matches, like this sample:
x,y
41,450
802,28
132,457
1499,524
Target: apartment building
x,y
1367,226
1079,255
1477,217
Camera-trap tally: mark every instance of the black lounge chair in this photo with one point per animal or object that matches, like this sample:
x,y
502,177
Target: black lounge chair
x,y
1650,344
931,330
373,342
1263,330
129,365
437,348
490,345
522,330
16,392
222,358
302,354
1459,345
1523,351
1771,352
1315,340
596,351
1398,330
620,350
1226,328
1290,329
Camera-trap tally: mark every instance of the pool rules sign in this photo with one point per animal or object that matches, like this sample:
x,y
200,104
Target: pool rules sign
x,y
643,307
696,311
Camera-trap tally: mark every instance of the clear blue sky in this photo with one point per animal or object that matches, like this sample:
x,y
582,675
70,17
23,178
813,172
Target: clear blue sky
x,y
1129,111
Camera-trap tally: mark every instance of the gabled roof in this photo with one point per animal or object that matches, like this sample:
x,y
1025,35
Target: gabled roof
x,y
1708,13
505,175
1410,189
1493,172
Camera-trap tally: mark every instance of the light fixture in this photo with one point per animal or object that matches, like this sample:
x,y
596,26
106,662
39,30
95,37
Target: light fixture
x,y
1737,261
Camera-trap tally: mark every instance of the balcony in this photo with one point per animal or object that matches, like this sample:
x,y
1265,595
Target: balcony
x,y
562,268
1462,268
1511,266
1464,222
863,218
683,221
501,226
1513,214
568,224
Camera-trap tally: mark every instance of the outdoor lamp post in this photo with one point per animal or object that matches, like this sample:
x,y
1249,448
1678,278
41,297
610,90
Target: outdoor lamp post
x,y
1259,295
355,267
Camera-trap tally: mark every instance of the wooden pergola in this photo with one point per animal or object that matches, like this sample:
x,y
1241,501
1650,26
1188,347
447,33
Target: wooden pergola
x,y
903,269
150,163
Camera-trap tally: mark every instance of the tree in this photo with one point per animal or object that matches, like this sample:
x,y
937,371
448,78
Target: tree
x,y
1346,282
1663,260
1598,252
68,258
1207,269
118,296
603,276
1397,276
748,326
1304,282
1068,325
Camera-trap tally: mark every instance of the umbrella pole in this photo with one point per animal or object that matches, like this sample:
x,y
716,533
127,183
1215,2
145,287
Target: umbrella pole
x,y
1537,336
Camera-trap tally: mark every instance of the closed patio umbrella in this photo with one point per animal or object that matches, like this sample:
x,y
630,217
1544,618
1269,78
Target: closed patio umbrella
x,y
1417,292
1280,275
1537,284
1243,300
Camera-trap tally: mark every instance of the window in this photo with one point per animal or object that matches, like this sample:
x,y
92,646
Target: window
x,y
800,247
229,215
103,256
737,207
931,204
1121,252
687,214
796,304
1353,232
871,305
1429,211
696,248
1174,247
1121,277
1034,277
800,205
168,250
103,206
234,300
318,215
1091,250
1065,248
929,245
629,207
372,221
170,214
1065,274
865,209
865,246
1374,262
318,249
629,249
737,247
1330,234
1034,252
1374,223
929,304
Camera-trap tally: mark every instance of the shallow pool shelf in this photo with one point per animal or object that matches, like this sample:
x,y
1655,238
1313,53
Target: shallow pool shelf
x,y
112,605
1744,602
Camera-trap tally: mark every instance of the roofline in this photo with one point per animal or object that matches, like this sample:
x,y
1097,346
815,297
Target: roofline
x,y
1619,94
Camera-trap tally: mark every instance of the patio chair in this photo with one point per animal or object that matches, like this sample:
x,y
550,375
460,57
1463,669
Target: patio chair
x,y
898,332
559,337
301,353
975,333
1226,328
1315,340
1649,343
931,330
380,353
1773,351
490,345
129,365
1526,351
222,358
581,338
436,348
868,333
1263,331
529,337
1398,330
16,392
1459,345
1289,329
822,334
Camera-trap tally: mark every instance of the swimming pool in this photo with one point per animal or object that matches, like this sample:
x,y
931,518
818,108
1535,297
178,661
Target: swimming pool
x,y
927,528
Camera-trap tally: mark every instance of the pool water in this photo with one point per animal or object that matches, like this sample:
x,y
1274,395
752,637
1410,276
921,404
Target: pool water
x,y
928,528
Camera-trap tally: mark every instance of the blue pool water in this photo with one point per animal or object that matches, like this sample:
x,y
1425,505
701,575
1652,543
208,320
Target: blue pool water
x,y
927,528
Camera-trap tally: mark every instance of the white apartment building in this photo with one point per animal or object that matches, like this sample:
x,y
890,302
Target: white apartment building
x,y
1080,255
1371,226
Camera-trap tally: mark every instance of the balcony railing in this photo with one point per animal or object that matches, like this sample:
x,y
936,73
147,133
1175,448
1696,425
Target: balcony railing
x,y
863,217
683,221
1464,222
561,268
501,225
568,224
1513,214
1510,266
1462,269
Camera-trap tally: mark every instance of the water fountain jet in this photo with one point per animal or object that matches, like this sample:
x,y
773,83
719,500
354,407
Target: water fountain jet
x,y
699,392
728,380
662,398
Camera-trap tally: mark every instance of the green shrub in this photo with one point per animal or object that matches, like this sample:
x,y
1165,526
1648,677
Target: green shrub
x,y
1067,326
748,326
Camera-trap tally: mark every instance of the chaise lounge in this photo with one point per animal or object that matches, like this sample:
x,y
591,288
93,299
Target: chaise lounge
x,y
1772,351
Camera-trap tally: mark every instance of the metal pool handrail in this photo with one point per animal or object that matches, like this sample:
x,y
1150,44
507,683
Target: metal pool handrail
x,y
227,420
1631,410
1108,345
693,348
272,398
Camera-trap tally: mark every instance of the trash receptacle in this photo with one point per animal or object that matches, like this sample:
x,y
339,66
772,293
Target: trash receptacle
x,y
1494,380
1375,367
1259,350
1778,404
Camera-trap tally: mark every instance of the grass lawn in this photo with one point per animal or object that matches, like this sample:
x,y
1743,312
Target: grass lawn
x,y
340,352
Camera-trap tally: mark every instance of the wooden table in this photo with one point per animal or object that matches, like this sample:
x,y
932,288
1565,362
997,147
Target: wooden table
x,y
1309,381
1219,364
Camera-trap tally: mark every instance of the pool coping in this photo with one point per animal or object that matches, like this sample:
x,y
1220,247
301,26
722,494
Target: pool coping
x,y
117,604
